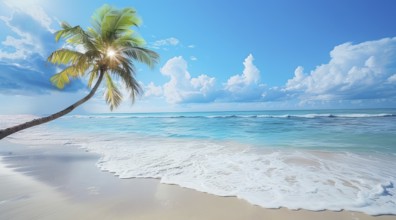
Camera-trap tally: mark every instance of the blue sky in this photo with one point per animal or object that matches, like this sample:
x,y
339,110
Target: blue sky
x,y
216,55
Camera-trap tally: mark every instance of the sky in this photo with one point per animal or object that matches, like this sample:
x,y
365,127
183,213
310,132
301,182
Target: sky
x,y
215,55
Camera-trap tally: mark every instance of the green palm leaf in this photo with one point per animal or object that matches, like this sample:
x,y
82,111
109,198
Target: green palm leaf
x,y
110,31
131,85
62,78
113,96
141,54
98,16
92,76
65,56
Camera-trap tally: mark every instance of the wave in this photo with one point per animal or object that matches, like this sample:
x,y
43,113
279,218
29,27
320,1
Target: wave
x,y
306,116
331,116
301,179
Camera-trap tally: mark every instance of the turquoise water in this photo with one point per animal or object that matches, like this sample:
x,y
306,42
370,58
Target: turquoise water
x,y
356,130
314,160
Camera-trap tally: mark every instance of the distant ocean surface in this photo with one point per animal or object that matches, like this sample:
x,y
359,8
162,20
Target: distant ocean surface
x,y
315,160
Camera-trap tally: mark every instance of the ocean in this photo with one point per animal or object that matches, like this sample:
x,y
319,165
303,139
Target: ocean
x,y
311,159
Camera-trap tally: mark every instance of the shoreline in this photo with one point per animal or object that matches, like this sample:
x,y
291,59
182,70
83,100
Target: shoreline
x,y
63,182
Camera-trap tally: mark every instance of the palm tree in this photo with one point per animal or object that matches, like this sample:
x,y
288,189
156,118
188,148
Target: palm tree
x,y
104,51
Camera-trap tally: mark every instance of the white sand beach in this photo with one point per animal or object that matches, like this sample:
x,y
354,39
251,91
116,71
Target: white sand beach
x,y
63,182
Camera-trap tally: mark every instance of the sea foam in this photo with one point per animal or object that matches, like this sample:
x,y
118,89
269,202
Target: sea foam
x,y
268,177
281,178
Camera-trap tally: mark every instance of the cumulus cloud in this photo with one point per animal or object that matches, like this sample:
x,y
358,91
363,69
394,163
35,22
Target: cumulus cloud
x,y
355,71
245,86
204,83
24,69
182,87
295,83
152,90
250,75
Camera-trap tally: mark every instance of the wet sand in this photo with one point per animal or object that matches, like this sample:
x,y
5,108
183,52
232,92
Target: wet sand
x,y
63,182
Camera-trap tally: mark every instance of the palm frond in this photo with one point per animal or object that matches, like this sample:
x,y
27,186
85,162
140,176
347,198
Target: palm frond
x,y
78,61
111,30
82,65
62,78
141,54
74,36
127,65
130,82
92,54
93,75
64,56
62,33
129,39
116,22
98,16
125,19
113,96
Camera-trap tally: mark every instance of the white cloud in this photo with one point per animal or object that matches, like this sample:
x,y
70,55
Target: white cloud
x,y
39,15
182,87
152,90
357,74
204,83
172,41
245,87
250,76
193,58
33,10
23,66
19,46
191,46
355,71
33,35
296,82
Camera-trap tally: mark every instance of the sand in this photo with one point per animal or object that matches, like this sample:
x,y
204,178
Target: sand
x,y
63,182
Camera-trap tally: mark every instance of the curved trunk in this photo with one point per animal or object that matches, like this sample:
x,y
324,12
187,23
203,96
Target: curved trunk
x,y
5,132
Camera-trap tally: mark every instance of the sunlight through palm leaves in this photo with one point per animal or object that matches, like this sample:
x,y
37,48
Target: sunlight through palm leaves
x,y
106,50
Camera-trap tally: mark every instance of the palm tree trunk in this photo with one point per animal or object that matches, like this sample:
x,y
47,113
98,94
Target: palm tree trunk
x,y
5,132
